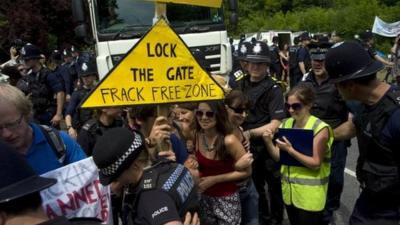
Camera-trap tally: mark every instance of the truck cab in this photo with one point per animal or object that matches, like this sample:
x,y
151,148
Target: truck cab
x,y
117,25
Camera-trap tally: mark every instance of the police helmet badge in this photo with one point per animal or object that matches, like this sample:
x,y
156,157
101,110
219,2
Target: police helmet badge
x,y
23,52
84,67
257,48
243,49
64,52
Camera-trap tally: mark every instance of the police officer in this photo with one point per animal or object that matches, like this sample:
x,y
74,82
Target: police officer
x,y
72,66
331,108
303,58
266,113
42,86
377,127
293,64
241,72
94,128
164,191
75,116
55,65
275,66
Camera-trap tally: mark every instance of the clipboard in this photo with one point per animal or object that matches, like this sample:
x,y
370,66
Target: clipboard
x,y
301,140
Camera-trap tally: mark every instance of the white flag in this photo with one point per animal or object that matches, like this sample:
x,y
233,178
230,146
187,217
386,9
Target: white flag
x,y
386,29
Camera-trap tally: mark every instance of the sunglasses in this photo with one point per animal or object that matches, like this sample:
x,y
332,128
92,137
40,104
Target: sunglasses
x,y
295,106
238,110
200,114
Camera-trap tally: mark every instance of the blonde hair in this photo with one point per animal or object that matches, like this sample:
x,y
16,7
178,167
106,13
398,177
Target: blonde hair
x,y
12,95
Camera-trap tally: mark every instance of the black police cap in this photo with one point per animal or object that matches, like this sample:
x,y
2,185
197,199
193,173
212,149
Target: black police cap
x,y
18,179
30,51
319,49
115,152
243,49
348,61
259,53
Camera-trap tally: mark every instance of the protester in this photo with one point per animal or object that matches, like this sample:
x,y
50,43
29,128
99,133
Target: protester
x,y
237,106
267,111
217,150
284,61
331,108
376,126
13,74
45,148
367,40
165,191
304,188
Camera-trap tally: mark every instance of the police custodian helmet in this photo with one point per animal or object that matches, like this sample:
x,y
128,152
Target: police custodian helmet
x,y
87,68
243,49
349,60
259,53
30,51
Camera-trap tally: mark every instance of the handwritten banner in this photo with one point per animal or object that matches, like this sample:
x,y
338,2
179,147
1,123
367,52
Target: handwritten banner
x,y
77,193
386,29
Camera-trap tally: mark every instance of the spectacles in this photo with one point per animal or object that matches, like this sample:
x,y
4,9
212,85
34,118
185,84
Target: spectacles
x,y
13,125
238,110
200,114
295,106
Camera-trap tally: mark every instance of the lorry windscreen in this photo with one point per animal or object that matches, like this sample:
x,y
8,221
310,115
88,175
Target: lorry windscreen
x,y
121,19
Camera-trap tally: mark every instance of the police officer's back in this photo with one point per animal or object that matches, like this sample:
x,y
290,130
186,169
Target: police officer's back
x,y
165,191
377,128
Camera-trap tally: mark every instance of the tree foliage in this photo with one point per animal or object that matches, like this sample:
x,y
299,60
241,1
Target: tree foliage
x,y
344,16
42,22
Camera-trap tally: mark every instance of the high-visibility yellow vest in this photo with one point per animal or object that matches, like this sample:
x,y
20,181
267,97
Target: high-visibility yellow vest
x,y
301,186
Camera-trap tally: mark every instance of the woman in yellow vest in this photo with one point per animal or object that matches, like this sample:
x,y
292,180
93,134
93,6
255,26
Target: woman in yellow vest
x,y
304,188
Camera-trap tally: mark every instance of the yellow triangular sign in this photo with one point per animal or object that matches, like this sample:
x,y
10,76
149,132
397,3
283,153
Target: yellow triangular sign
x,y
207,3
158,69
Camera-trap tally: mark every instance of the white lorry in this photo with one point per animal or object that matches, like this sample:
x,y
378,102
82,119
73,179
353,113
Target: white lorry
x,y
116,25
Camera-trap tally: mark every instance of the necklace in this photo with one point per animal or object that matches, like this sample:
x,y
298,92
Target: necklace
x,y
208,147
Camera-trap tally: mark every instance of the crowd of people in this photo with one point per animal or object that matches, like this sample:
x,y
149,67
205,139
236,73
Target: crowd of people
x,y
211,162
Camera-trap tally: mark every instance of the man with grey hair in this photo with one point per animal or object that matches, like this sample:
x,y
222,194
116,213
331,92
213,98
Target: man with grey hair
x,y
45,149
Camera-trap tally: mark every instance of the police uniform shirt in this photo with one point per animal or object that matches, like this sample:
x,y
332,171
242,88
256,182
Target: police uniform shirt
x,y
267,103
389,135
274,53
64,74
55,83
156,207
76,98
303,55
328,104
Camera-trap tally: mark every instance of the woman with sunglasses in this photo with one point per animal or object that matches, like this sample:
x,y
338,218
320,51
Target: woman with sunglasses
x,y
217,150
304,188
237,104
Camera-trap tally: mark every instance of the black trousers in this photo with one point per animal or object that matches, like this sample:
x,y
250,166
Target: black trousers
x,y
373,210
267,171
302,217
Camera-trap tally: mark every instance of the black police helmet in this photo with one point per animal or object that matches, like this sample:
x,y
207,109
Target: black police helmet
x,y
18,179
259,53
30,51
348,61
56,55
87,68
116,151
243,49
366,35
